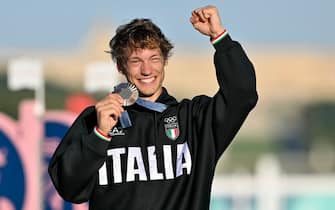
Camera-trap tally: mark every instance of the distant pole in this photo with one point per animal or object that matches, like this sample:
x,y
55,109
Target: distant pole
x,y
27,73
268,181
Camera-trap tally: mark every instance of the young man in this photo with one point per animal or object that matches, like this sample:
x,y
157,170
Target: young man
x,y
166,159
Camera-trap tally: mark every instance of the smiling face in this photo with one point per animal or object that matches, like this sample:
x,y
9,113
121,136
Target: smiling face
x,y
145,69
141,51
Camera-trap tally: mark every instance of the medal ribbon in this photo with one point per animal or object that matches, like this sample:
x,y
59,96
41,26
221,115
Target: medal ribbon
x,y
154,106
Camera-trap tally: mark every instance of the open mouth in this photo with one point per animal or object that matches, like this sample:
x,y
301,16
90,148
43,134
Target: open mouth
x,y
147,80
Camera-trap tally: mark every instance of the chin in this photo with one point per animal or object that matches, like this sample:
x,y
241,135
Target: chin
x,y
143,95
146,93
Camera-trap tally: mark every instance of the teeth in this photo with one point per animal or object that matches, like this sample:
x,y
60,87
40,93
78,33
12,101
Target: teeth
x,y
148,80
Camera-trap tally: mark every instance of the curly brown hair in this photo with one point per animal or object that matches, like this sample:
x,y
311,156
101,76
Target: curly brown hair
x,y
137,34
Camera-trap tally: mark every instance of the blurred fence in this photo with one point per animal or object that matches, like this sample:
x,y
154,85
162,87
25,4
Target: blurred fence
x,y
269,189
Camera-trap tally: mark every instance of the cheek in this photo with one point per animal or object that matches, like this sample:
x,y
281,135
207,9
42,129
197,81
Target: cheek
x,y
158,68
131,73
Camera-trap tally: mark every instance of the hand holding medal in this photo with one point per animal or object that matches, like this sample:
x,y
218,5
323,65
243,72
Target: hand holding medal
x,y
130,95
128,92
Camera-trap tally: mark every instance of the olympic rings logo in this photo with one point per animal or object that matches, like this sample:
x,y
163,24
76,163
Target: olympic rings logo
x,y
170,119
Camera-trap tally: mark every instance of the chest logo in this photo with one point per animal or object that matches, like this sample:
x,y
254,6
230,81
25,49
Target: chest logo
x,y
116,132
171,127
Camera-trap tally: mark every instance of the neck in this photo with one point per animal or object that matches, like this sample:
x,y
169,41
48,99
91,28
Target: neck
x,y
152,97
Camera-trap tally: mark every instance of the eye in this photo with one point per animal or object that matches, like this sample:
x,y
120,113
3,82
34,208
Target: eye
x,y
156,59
134,61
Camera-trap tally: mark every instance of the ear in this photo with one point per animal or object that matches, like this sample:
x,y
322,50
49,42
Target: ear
x,y
120,68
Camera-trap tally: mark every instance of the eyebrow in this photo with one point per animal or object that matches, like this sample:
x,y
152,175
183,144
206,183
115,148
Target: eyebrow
x,y
137,57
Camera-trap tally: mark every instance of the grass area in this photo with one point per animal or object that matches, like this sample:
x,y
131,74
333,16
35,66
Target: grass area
x,y
10,100
243,153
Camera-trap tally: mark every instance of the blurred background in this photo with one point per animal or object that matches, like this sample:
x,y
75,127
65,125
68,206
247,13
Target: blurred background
x,y
53,64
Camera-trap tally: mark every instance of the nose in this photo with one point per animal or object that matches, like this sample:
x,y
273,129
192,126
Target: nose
x,y
146,68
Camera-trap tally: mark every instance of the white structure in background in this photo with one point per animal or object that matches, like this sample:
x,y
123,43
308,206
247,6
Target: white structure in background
x,y
101,76
27,74
269,186
268,182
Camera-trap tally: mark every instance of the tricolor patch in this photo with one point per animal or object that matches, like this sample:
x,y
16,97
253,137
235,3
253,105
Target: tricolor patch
x,y
171,127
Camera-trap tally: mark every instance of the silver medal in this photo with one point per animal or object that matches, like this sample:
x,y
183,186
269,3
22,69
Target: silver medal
x,y
128,92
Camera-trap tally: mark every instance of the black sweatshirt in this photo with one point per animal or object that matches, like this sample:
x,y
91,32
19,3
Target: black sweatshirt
x,y
165,161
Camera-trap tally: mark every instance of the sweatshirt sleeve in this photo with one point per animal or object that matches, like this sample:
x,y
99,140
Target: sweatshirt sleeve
x,y
221,116
74,165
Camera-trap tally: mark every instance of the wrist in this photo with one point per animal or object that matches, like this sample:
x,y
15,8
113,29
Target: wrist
x,y
219,36
216,31
102,135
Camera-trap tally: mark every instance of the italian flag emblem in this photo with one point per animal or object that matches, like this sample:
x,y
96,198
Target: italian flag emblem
x,y
171,127
172,133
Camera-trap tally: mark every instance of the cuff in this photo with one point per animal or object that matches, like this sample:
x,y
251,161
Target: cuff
x,y
95,143
219,37
101,135
225,43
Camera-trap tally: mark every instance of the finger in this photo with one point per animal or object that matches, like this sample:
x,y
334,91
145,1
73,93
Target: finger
x,y
117,97
194,18
112,102
112,98
105,112
107,119
205,13
107,123
200,15
195,13
109,109
111,114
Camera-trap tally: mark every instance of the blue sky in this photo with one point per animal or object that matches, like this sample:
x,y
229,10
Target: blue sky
x,y
62,24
